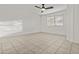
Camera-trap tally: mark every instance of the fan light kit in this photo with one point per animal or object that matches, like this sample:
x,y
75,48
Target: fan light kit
x,y
43,8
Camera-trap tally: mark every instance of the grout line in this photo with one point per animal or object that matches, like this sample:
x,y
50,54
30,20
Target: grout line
x,y
14,47
19,41
30,49
1,47
48,46
59,47
71,48
24,46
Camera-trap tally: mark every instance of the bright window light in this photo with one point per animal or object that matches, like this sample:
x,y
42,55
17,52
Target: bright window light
x,y
9,27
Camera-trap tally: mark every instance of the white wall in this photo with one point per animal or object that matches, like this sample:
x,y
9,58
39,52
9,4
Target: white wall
x,y
53,29
26,13
32,22
69,22
76,23
72,23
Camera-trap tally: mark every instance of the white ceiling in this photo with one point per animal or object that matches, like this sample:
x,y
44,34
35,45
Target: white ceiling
x,y
27,8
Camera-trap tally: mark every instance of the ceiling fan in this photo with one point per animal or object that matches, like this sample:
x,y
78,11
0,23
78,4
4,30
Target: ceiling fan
x,y
44,8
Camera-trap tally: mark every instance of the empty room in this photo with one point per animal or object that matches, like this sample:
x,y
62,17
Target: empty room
x,y
39,29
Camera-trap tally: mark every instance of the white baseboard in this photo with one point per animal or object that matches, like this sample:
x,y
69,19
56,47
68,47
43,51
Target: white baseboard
x,y
19,34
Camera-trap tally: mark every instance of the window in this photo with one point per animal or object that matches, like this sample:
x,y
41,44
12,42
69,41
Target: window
x,y
59,20
56,20
50,21
8,27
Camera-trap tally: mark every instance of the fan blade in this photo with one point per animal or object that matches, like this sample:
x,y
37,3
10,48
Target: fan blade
x,y
43,5
38,7
49,8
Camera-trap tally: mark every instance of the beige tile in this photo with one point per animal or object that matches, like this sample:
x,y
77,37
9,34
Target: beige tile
x,y
34,44
75,48
9,52
65,48
0,47
22,50
50,50
75,51
63,51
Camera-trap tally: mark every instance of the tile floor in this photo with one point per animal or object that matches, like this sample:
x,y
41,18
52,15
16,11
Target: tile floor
x,y
39,43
